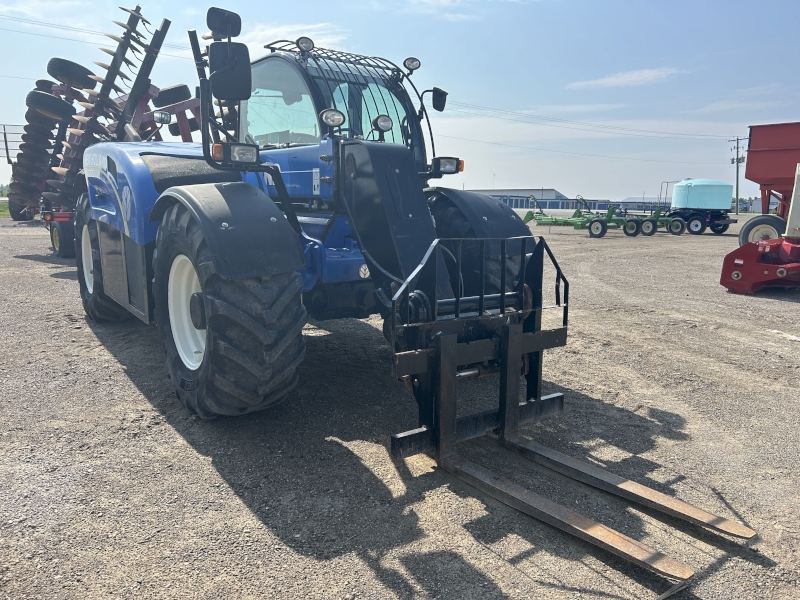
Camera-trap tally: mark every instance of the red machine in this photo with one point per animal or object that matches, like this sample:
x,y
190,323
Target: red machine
x,y
770,262
772,156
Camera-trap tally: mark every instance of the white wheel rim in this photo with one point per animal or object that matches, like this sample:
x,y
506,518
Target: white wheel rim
x,y
183,282
647,227
86,259
695,225
762,232
597,228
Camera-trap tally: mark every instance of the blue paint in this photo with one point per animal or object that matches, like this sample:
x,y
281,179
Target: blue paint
x,y
122,194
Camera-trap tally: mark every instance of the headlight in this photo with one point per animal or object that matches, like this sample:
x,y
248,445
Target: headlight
x,y
162,117
306,44
241,153
411,63
332,117
382,123
235,153
446,165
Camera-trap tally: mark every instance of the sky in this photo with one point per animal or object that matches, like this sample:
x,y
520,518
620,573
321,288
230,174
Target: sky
x,y
602,98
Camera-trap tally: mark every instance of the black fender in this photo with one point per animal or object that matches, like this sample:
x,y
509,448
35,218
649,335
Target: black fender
x,y
488,217
245,231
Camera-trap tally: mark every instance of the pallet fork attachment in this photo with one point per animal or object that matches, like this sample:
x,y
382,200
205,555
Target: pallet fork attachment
x,y
436,343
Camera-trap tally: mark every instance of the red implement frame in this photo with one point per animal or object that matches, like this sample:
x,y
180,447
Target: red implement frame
x,y
773,155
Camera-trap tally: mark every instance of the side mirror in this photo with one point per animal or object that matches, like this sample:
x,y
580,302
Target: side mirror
x,y
223,23
439,99
229,64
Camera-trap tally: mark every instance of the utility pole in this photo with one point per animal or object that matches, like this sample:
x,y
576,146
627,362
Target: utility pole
x,y
737,161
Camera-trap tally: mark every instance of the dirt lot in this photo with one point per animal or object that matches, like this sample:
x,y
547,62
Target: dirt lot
x,y
109,487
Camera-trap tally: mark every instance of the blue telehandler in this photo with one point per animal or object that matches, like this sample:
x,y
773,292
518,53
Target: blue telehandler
x,y
310,194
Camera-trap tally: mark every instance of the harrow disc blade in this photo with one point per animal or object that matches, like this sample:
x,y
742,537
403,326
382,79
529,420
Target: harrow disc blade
x,y
136,14
116,38
102,65
82,118
110,52
59,185
61,171
54,197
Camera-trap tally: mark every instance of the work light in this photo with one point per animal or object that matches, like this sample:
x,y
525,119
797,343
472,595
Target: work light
x,y
411,63
382,123
306,44
332,117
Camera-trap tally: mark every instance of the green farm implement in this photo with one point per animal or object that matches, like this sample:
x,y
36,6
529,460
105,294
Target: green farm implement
x,y
584,218
651,224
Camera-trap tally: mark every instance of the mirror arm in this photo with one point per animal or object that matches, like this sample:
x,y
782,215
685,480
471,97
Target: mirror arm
x,y
283,196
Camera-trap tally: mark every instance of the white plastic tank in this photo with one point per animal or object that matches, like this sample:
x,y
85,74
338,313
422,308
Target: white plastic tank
x,y
702,194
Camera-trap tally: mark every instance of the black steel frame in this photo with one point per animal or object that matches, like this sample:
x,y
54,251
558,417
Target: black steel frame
x,y
436,341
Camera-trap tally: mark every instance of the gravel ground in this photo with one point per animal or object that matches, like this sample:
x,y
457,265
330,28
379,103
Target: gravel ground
x,y
109,487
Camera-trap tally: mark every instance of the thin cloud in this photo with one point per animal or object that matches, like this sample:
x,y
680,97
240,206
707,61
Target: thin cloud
x,y
725,105
575,108
628,78
325,35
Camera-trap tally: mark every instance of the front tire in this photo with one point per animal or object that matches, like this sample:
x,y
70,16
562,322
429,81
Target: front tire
x,y
232,346
452,223
763,227
98,306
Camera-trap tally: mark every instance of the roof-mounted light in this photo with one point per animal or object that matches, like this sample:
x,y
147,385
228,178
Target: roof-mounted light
x,y
306,44
332,117
412,64
382,123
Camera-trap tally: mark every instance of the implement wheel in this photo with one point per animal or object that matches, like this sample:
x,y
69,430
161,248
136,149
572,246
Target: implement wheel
x,y
62,238
676,226
172,95
649,227
232,346
597,228
632,227
96,303
696,224
719,229
70,73
763,227
49,105
19,212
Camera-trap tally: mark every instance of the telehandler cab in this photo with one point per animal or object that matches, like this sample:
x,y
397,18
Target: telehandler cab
x,y
308,195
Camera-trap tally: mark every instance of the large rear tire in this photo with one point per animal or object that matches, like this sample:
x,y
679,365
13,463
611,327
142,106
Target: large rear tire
x,y
452,223
763,227
96,303
232,346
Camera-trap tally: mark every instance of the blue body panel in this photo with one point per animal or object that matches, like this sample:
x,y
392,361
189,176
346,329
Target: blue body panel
x,y
122,194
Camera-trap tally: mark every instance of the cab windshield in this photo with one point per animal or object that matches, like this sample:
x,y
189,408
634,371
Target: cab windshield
x,y
280,109
362,93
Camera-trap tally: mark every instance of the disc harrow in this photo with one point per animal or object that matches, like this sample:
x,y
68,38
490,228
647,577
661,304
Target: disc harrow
x,y
78,108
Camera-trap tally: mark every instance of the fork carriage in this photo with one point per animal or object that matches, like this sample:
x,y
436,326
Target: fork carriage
x,y
438,340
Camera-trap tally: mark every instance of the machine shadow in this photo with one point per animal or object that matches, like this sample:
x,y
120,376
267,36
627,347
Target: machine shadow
x,y
316,472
